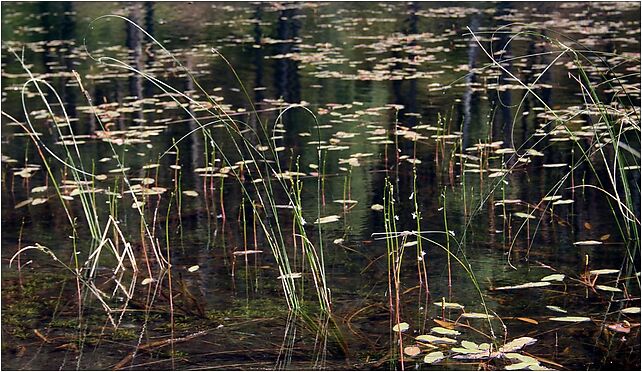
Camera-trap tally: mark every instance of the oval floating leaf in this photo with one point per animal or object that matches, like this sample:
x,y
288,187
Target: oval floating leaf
x,y
553,278
412,351
147,281
191,193
401,327
434,357
450,305
558,309
523,215
608,288
571,319
604,271
328,219
436,340
517,344
525,285
445,331
588,242
191,269
631,310
477,316
377,207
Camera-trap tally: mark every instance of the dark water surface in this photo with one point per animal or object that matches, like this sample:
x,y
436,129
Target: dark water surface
x,y
396,89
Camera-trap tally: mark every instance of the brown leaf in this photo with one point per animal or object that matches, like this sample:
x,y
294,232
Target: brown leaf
x,y
619,327
527,320
587,225
445,324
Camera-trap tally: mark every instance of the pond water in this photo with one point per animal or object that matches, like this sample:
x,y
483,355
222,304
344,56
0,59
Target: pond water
x,y
394,167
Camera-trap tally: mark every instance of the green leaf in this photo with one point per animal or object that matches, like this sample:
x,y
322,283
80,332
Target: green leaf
x,y
469,345
608,288
558,309
525,285
517,344
445,331
553,278
523,215
588,242
435,340
401,327
604,271
434,357
631,310
571,319
450,305
476,316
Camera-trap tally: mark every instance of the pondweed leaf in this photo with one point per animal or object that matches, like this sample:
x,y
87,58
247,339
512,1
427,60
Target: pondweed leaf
x,y
525,285
191,269
436,340
571,319
558,309
553,278
445,331
631,310
604,271
412,351
434,357
327,219
191,193
523,215
476,316
517,344
588,242
608,288
449,305
401,327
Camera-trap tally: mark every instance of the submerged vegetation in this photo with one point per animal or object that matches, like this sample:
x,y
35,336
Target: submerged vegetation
x,y
162,211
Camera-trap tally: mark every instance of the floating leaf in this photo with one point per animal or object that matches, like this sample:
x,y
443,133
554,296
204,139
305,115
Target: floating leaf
x,y
434,357
605,237
525,285
469,345
553,278
191,269
562,202
476,316
328,219
436,340
558,309
631,310
449,305
377,207
346,201
290,276
608,288
519,366
604,271
444,323
190,193
620,327
37,201
463,350
412,351
588,242
23,203
571,319
523,215
445,331
517,344
147,281
401,327
527,320
39,189
521,358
